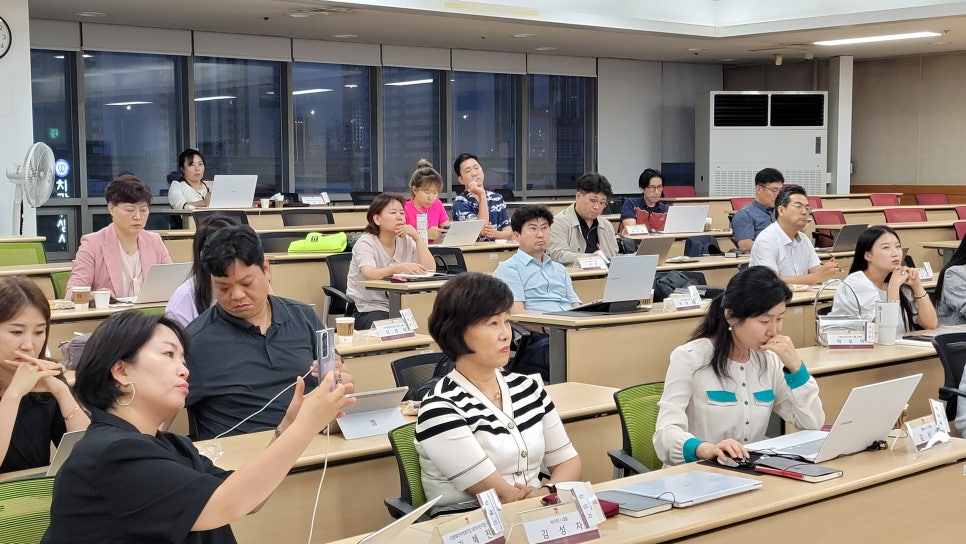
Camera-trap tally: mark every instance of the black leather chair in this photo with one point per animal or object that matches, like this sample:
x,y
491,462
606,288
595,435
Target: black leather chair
x,y
361,198
237,215
278,242
507,195
951,348
415,370
336,301
306,217
449,260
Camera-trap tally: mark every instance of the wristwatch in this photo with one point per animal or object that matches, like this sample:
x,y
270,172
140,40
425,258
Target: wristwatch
x,y
550,486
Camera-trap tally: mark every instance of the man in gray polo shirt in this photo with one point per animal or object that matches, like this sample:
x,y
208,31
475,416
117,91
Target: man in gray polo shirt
x,y
758,214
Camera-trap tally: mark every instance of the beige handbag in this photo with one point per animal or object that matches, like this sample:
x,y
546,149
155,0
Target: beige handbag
x,y
838,324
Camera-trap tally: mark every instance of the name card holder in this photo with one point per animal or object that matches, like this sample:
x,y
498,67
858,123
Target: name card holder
x,y
393,329
468,528
592,263
557,524
925,273
690,301
928,431
853,340
636,230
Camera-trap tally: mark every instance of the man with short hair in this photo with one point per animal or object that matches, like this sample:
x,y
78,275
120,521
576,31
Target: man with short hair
x,y
247,350
578,231
757,215
783,246
466,207
651,183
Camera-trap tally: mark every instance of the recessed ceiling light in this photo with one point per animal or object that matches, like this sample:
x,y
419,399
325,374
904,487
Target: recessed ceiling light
x,y
58,56
524,35
345,36
350,86
209,98
873,39
132,103
408,83
87,56
545,48
310,91
90,14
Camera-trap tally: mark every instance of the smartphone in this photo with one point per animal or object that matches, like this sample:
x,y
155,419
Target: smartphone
x,y
326,353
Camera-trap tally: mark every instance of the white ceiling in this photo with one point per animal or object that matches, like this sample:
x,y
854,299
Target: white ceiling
x,y
570,30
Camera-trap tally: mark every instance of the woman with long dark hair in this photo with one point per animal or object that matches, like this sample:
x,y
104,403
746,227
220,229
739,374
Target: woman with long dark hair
x,y
194,295
950,293
722,386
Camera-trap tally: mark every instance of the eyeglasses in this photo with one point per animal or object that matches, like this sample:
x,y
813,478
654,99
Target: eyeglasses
x,y
533,229
132,211
597,203
772,190
653,187
799,207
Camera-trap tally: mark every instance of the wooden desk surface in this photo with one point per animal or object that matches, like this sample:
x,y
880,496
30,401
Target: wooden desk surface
x,y
35,269
19,238
941,245
361,344
883,479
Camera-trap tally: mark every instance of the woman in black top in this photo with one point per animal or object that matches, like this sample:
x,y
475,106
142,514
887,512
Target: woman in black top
x,y
128,482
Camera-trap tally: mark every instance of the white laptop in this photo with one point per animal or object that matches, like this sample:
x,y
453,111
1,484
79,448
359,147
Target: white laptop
x,y
845,239
374,413
462,233
685,219
868,415
630,280
657,245
160,283
67,443
233,191
693,487
391,533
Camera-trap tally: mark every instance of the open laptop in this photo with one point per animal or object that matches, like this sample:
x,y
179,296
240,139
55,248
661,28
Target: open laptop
x,y
67,443
630,280
658,245
374,413
160,283
233,191
462,233
845,239
390,533
685,219
693,487
868,415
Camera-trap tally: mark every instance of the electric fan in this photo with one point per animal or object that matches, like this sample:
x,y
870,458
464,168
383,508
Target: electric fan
x,y
34,180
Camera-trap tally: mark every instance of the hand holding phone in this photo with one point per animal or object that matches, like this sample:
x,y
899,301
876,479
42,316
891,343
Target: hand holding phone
x,y
326,354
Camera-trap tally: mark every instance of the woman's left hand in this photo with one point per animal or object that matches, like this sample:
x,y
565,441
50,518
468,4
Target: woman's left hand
x,y
910,277
49,383
784,348
407,230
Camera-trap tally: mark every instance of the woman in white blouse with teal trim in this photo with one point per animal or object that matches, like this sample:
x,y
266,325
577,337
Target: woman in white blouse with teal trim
x,y
722,386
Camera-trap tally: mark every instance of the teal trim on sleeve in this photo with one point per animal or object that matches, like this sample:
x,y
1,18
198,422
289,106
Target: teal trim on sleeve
x,y
799,378
767,395
722,396
690,447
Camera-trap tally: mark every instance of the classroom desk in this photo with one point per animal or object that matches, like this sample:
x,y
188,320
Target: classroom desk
x,y
64,323
722,236
887,496
362,472
179,242
38,273
946,248
19,238
349,217
367,358
874,215
915,235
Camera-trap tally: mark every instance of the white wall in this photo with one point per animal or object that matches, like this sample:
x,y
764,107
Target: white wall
x,y
681,84
15,111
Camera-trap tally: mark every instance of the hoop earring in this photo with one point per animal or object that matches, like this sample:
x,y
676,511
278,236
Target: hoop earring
x,y
134,393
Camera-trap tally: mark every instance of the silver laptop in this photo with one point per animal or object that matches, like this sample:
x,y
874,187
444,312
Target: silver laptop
x,y
67,443
657,245
462,233
630,280
693,487
868,415
845,239
685,219
374,413
233,191
160,283
391,533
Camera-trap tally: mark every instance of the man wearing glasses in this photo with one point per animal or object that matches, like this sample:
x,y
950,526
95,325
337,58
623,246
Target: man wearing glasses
x,y
748,222
578,231
783,246
652,186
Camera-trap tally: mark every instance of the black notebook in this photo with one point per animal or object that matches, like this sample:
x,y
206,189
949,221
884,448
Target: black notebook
x,y
636,506
795,469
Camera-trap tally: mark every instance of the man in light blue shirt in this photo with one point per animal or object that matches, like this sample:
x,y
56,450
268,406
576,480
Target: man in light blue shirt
x,y
748,222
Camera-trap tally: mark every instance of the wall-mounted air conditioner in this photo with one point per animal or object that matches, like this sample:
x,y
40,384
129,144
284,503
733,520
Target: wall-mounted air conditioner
x,y
739,133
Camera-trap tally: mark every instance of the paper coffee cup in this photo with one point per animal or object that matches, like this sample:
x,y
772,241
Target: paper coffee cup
x,y
345,326
102,298
887,322
81,297
266,202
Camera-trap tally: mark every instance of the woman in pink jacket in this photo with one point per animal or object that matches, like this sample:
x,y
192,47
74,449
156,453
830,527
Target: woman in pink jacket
x,y
119,256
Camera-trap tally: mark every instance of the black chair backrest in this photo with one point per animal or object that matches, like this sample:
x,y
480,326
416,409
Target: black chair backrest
x,y
614,205
415,370
237,215
303,217
363,197
449,260
338,265
507,195
951,348
278,242
164,221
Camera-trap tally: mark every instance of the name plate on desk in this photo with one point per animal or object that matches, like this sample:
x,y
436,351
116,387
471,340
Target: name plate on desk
x,y
470,528
689,301
853,340
637,230
925,273
393,329
592,263
558,524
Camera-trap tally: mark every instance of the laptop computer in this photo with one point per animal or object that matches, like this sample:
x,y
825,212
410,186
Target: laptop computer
x,y
658,245
693,487
374,413
66,446
160,283
462,233
233,191
390,533
630,280
685,219
868,415
845,239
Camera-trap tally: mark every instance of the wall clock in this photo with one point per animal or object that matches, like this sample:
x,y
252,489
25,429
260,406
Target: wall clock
x,y
4,37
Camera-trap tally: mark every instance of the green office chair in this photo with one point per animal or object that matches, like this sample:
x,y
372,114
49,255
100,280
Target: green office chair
x,y
60,279
637,408
411,494
25,512
14,253
152,310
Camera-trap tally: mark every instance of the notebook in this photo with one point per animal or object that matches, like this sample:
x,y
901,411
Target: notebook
x,y
845,239
233,191
630,280
868,415
374,413
685,219
635,506
462,233
66,446
160,283
658,245
390,533
693,487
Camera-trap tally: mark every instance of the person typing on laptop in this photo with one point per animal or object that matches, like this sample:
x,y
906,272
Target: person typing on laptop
x,y
722,387
466,207
388,246
249,346
579,231
785,249
757,215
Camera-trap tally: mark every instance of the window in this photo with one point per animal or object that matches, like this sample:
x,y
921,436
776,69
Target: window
x,y
133,118
238,111
54,117
484,124
558,134
411,124
332,128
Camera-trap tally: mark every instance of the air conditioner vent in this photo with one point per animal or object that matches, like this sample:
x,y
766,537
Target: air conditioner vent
x,y
740,110
798,110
